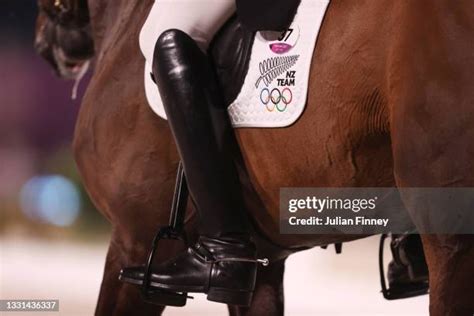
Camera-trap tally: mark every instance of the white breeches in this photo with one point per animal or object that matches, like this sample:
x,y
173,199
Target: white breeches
x,y
200,19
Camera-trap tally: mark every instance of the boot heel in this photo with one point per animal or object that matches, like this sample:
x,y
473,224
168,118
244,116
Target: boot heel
x,y
232,297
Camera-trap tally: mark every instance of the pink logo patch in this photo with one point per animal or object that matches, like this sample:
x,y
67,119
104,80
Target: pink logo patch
x,y
280,48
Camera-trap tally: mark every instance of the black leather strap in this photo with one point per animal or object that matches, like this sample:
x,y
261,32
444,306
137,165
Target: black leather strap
x,y
267,15
202,252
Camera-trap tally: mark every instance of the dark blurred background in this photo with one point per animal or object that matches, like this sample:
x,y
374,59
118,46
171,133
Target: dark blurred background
x,y
40,190
53,241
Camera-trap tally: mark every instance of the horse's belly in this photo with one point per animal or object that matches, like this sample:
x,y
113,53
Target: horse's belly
x,y
321,150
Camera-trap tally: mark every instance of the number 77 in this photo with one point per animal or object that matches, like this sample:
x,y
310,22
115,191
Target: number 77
x,y
285,35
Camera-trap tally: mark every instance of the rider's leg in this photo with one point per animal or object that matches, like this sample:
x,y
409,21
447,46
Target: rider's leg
x,y
197,116
222,264
204,136
199,19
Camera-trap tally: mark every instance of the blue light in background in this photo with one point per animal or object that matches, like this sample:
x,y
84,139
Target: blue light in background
x,y
53,199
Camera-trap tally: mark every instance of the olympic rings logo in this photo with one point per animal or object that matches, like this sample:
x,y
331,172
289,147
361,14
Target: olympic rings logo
x,y
276,99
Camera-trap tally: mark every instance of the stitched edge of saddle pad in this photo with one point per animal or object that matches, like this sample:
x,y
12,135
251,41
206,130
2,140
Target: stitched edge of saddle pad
x,y
275,89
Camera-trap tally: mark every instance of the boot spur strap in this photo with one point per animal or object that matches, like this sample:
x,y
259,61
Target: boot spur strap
x,y
263,261
207,256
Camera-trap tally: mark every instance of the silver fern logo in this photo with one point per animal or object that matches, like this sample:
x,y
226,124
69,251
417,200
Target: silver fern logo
x,y
273,67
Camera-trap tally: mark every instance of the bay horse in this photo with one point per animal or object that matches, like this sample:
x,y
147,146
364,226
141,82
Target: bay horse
x,y
390,104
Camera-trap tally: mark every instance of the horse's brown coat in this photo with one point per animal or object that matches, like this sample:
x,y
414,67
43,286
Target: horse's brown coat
x,y
391,103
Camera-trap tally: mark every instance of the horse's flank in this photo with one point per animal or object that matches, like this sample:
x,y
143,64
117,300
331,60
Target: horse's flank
x,y
343,137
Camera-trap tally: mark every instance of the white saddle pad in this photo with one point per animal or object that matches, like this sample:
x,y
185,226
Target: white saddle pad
x,y
275,90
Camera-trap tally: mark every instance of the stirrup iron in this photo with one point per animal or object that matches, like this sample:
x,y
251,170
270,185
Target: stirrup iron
x,y
390,293
174,231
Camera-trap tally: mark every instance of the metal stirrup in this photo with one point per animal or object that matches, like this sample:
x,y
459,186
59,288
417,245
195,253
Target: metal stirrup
x,y
175,231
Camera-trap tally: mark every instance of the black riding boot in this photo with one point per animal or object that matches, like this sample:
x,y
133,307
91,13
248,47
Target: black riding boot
x,y
223,263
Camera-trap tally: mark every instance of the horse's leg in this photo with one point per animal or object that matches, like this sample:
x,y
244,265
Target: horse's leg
x,y
436,155
268,293
135,197
117,298
451,260
429,82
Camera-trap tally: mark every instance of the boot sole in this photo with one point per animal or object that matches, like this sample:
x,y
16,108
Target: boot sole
x,y
159,286
231,297
220,295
